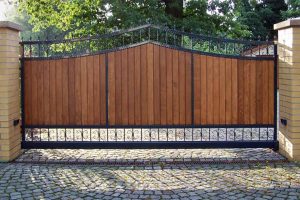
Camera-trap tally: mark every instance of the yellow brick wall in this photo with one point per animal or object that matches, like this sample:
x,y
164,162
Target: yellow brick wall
x,y
289,88
10,135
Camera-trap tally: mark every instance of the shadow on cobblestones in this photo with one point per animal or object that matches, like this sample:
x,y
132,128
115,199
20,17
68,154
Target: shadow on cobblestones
x,y
231,181
152,156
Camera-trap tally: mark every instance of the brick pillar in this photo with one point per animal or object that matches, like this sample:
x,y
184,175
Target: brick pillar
x,y
10,134
289,87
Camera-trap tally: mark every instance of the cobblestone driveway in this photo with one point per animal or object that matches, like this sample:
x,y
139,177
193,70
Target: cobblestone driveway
x,y
226,181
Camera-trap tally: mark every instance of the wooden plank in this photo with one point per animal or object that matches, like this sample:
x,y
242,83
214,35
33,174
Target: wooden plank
x,y
188,88
163,85
271,92
234,90
46,94
246,97
259,92
90,89
131,80
112,88
197,88
124,85
175,84
222,90
28,92
65,91
52,100
72,97
182,83
118,80
156,85
84,90
203,90
96,90
34,91
59,91
102,75
228,91
150,77
78,99
252,92
169,86
216,90
137,86
240,91
144,82
210,89
40,92
265,91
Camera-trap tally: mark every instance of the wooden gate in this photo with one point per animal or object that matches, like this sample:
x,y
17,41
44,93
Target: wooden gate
x,y
148,94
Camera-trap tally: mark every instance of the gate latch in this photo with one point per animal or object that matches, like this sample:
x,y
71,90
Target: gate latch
x,y
283,122
16,122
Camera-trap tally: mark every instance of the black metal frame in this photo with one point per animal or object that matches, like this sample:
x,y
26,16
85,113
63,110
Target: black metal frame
x,y
236,129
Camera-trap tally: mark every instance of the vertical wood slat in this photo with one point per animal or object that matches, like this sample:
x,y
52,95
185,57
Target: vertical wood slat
x,y
34,91
78,97
259,92
175,84
124,86
222,83
271,91
97,88
182,82
203,89
234,86
210,90
71,83
131,91
228,91
90,89
137,86
150,65
28,92
144,85
253,100
163,85
265,90
197,88
103,74
118,83
46,94
188,88
53,93
246,91
59,91
240,92
111,88
65,91
84,89
216,90
169,64
40,92
156,85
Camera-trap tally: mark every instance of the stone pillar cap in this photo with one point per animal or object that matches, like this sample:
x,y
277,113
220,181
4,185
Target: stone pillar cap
x,y
10,25
288,23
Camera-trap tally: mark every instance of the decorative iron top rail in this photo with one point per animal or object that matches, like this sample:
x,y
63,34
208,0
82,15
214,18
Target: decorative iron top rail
x,y
141,34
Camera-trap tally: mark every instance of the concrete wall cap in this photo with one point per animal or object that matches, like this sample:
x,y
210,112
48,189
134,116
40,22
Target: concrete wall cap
x,y
10,25
288,23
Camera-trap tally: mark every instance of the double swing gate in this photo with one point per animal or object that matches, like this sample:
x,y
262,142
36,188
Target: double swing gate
x,y
149,87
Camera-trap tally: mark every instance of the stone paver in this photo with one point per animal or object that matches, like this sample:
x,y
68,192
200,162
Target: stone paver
x,y
219,181
150,156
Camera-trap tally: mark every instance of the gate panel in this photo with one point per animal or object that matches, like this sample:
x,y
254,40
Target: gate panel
x,y
150,94
231,91
65,91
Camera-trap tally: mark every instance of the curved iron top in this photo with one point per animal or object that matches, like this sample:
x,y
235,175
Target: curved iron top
x,y
155,33
124,31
